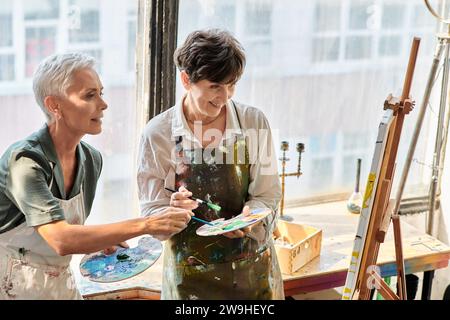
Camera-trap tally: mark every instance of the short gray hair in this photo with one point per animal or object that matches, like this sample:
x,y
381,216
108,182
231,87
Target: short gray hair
x,y
54,74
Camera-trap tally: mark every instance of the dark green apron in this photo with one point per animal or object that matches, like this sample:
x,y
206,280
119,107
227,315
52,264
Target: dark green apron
x,y
216,267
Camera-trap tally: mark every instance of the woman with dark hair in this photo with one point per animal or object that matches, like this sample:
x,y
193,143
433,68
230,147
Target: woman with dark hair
x,y
214,148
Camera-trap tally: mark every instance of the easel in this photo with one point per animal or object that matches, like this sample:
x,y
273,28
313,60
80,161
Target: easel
x,y
383,208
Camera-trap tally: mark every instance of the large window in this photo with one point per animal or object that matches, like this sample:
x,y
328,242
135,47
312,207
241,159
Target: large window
x,y
105,29
320,71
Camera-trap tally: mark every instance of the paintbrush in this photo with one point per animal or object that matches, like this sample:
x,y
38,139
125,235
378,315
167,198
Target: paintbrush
x,y
203,221
209,204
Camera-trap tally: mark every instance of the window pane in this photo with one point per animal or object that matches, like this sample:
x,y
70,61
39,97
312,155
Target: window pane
x,y
6,67
5,23
41,9
393,16
131,45
325,49
322,143
358,47
39,42
389,46
227,16
259,52
356,140
359,14
323,168
327,15
258,17
218,13
86,24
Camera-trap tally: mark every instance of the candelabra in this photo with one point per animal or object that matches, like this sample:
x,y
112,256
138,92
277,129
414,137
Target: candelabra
x,y
283,175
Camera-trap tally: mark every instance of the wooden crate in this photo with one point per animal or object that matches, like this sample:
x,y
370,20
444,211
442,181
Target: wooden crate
x,y
305,243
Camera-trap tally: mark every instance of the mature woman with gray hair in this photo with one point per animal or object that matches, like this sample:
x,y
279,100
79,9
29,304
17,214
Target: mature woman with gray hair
x,y
48,183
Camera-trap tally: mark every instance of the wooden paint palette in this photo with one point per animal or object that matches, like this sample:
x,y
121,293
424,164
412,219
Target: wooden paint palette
x,y
221,226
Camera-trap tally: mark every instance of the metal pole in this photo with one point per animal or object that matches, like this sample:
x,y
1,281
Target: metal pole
x,y
444,143
418,127
438,143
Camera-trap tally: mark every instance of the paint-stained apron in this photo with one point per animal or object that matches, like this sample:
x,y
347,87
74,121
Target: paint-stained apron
x,y
30,269
217,267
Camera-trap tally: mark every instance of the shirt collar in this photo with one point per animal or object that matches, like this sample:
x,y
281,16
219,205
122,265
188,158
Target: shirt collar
x,y
180,126
179,123
48,147
47,144
49,150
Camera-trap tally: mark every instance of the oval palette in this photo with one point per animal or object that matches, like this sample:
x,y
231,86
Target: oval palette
x,y
222,226
122,264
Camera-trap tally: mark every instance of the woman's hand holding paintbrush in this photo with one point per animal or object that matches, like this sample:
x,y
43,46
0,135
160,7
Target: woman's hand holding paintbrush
x,y
183,199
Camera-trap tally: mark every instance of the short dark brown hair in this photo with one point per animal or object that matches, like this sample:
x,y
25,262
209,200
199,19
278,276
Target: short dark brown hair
x,y
213,55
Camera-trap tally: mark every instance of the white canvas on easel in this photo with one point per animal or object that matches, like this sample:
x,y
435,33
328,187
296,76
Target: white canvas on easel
x,y
369,195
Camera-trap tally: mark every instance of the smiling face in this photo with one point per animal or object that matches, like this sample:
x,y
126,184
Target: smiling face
x,y
81,109
207,98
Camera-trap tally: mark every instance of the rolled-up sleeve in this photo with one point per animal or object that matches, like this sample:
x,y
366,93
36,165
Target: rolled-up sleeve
x,y
151,175
264,189
27,188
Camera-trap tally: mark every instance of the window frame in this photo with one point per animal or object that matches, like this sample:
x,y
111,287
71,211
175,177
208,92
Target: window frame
x,y
159,72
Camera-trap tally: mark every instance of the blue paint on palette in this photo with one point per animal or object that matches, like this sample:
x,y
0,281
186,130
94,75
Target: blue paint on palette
x,y
122,264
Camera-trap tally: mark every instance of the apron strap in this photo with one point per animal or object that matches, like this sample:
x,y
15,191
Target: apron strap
x,y
237,114
53,178
53,175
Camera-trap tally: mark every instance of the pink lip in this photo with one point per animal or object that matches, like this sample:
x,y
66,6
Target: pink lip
x,y
215,105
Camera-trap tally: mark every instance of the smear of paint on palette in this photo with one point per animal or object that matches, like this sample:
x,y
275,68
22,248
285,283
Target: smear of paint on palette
x,y
122,264
241,221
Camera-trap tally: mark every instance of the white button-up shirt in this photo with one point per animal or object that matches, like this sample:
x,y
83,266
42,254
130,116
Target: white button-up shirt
x,y
156,167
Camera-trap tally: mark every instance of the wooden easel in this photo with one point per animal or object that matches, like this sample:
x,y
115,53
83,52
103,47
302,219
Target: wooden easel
x,y
382,210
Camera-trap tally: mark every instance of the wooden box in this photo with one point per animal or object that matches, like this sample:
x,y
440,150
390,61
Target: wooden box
x,y
304,245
